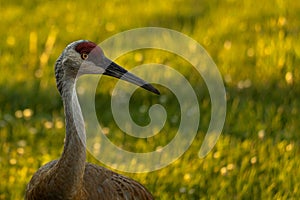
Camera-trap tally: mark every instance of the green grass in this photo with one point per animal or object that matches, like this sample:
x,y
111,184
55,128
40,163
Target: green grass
x,y
255,45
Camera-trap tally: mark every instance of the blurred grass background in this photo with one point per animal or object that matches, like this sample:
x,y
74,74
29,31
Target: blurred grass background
x,y
255,44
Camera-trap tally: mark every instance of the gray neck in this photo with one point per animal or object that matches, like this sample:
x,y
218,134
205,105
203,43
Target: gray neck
x,y
74,119
71,165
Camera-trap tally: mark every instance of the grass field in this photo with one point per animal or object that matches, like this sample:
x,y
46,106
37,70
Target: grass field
x,y
255,45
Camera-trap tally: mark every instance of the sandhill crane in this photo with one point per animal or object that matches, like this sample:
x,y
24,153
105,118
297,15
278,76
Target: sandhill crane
x,y
71,177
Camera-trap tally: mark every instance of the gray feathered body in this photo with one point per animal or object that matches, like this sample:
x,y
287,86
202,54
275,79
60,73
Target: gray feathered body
x,y
98,183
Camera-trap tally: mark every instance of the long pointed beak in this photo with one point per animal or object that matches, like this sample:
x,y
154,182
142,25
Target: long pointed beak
x,y
117,71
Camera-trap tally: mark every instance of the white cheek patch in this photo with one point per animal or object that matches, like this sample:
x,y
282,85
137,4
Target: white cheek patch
x,y
88,67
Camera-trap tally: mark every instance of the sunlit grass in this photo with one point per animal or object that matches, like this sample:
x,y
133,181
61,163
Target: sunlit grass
x,y
255,45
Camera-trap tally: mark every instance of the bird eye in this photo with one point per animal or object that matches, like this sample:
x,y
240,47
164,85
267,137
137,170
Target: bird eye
x,y
84,56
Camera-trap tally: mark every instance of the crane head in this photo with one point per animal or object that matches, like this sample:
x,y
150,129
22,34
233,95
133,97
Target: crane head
x,y
85,57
